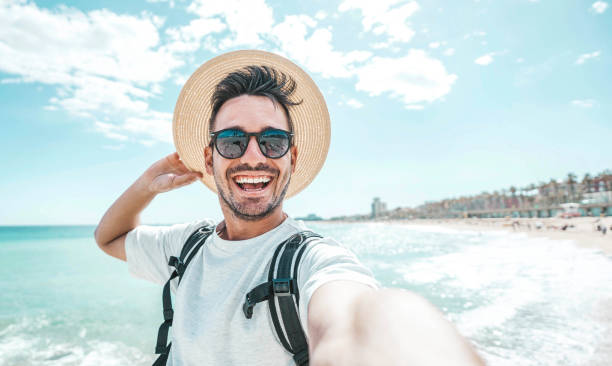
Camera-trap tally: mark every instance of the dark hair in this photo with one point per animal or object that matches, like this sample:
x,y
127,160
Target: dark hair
x,y
255,80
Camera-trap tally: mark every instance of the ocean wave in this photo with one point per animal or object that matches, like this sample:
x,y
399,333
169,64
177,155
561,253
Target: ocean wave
x,y
20,346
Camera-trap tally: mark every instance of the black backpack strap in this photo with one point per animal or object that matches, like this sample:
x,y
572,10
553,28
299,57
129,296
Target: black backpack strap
x,y
283,286
190,248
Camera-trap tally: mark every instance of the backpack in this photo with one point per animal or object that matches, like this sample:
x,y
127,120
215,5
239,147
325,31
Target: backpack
x,y
280,288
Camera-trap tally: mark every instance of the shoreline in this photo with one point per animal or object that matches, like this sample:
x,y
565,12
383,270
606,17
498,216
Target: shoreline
x,y
581,230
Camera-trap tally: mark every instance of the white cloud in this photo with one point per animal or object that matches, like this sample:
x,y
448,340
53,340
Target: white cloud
x,y
102,63
114,147
302,42
434,44
320,15
110,131
485,59
188,38
87,95
599,7
97,43
380,45
247,20
587,56
475,34
385,17
12,81
171,3
585,103
449,52
520,60
180,79
147,143
158,126
107,67
414,79
354,103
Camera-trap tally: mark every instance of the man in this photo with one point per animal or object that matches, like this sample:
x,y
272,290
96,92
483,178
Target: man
x,y
254,128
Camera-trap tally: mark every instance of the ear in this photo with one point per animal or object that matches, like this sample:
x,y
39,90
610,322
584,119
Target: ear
x,y
208,160
294,155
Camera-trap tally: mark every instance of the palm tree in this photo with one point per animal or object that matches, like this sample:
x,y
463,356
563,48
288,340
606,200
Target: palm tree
x,y
606,177
555,189
542,193
587,184
571,182
587,181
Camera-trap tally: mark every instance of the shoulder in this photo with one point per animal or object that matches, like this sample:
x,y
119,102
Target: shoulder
x,y
296,225
165,235
148,248
322,251
185,230
322,248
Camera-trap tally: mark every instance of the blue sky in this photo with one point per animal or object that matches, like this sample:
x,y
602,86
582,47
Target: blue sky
x,y
428,100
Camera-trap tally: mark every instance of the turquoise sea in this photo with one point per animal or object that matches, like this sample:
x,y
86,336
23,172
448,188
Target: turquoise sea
x,y
520,300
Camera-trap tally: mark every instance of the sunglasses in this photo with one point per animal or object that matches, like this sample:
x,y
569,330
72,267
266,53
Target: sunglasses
x,y
231,143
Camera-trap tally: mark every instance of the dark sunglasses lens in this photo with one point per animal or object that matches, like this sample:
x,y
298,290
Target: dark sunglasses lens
x,y
231,144
274,143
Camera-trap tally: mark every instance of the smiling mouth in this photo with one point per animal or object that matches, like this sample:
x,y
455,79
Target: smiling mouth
x,y
252,183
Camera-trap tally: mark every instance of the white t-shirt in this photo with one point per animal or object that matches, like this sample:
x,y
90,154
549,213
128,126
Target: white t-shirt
x,y
209,326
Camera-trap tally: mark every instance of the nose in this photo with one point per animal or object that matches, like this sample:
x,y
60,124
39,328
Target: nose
x,y
253,154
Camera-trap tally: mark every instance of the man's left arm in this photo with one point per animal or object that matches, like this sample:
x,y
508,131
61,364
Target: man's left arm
x,y
350,323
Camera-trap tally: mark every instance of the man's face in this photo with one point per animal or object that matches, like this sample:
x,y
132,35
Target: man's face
x,y
249,201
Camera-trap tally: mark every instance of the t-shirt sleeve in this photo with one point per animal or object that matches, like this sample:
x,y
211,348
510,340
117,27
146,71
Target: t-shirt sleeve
x,y
148,248
324,261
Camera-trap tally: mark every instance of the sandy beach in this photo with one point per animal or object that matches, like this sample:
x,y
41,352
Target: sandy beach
x,y
582,230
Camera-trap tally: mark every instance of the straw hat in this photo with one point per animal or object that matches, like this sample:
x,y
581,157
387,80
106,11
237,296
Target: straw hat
x,y
310,118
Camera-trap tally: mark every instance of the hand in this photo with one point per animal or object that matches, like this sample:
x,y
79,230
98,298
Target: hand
x,y
169,173
352,325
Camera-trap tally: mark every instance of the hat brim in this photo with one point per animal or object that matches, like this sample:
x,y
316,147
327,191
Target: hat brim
x,y
310,119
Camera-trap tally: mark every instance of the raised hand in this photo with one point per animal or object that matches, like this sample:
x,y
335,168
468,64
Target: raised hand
x,y
169,173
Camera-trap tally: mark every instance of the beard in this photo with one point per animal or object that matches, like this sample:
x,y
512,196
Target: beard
x,y
251,210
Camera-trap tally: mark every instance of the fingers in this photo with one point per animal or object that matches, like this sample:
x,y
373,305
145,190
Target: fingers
x,y
170,181
185,179
177,164
172,158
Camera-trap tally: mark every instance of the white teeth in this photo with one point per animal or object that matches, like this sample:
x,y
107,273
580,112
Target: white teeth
x,y
252,180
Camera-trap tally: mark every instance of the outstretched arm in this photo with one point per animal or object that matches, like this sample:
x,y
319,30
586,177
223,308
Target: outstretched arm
x,y
124,215
352,324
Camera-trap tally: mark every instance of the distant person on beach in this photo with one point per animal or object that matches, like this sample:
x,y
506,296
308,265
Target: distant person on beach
x,y
254,128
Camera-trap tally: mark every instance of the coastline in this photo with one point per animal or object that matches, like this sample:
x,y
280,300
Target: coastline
x,y
581,230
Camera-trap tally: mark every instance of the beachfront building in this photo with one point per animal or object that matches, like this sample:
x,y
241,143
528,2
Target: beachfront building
x,y
593,195
378,208
310,217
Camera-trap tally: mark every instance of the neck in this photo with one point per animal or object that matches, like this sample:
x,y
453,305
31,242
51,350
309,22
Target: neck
x,y
234,228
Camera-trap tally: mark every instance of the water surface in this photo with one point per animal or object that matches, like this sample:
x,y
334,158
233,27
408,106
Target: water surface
x,y
520,300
